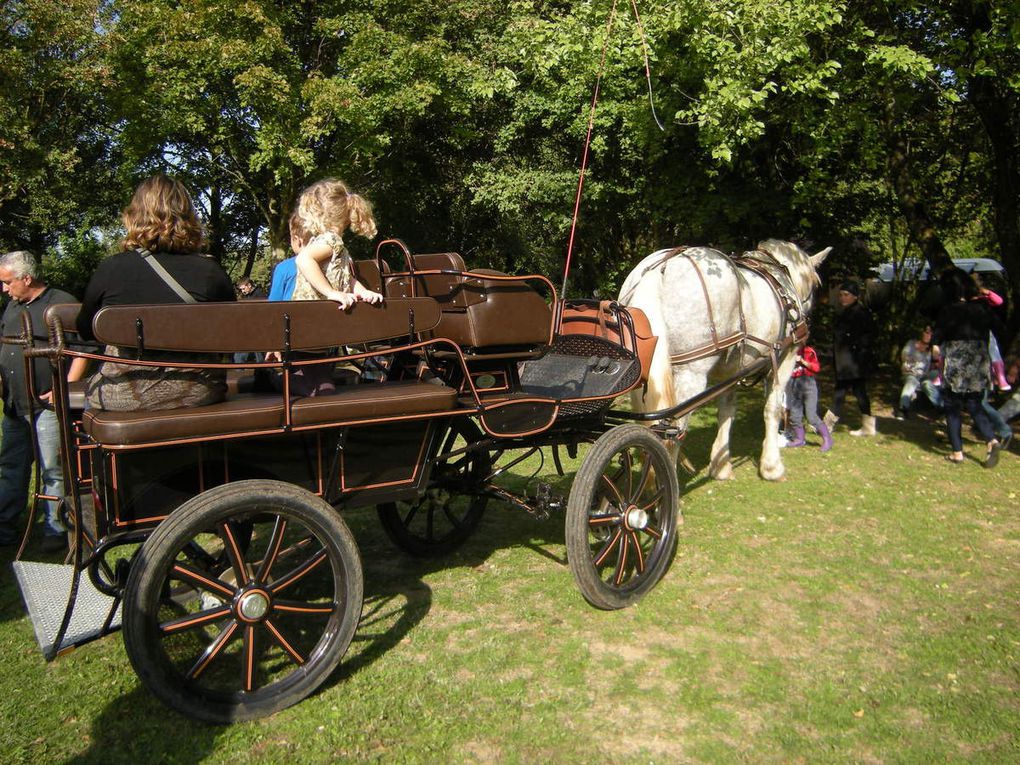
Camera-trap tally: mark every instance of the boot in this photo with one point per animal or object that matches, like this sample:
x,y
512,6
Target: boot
x,y
798,438
823,431
830,419
999,373
867,426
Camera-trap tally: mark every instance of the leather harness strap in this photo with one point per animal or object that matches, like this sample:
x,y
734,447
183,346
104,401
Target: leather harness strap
x,y
761,264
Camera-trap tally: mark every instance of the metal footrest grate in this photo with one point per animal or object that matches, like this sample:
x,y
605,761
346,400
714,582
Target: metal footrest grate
x,y
44,587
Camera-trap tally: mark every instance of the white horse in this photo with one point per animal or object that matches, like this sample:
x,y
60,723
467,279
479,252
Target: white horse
x,y
715,318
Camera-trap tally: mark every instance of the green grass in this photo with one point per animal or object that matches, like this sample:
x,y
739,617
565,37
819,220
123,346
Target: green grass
x,y
863,610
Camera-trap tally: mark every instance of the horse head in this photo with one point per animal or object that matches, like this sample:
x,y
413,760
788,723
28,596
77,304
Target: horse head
x,y
803,268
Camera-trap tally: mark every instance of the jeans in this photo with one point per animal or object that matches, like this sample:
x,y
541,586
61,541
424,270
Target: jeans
x,y
801,398
999,425
16,460
955,403
909,391
1011,408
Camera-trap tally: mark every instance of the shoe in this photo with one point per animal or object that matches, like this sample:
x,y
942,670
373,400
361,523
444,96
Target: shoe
x,y
53,543
999,373
867,426
823,431
899,414
992,458
950,458
1005,439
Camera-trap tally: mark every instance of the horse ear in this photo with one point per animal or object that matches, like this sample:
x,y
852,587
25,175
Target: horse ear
x,y
818,258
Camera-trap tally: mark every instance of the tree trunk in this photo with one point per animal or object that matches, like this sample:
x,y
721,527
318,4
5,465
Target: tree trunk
x,y
1000,114
919,223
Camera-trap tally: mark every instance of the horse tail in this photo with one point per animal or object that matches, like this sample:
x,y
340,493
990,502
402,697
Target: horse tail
x,y
658,393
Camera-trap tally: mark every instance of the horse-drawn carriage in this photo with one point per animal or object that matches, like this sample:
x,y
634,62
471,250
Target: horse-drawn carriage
x,y
211,535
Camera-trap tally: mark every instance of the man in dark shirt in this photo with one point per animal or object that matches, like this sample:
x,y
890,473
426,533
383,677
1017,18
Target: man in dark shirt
x,y
29,295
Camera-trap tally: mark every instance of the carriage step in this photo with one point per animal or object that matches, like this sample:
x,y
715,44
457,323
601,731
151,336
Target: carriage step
x,y
44,587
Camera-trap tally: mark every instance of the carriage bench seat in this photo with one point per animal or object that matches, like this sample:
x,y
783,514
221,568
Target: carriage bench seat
x,y
259,327
260,413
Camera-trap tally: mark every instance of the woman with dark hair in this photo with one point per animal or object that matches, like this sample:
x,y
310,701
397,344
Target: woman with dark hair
x,y
961,332
161,226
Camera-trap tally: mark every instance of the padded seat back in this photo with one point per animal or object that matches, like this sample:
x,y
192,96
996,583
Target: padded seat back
x,y
478,313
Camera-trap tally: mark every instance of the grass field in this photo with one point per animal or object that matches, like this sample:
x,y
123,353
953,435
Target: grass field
x,y
863,610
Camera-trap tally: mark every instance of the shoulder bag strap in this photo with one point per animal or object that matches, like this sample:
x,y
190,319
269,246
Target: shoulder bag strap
x,y
163,274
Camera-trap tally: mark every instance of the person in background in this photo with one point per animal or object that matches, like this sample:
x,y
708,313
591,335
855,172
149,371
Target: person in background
x,y
853,330
802,398
161,225
998,366
29,295
281,285
248,290
919,361
961,332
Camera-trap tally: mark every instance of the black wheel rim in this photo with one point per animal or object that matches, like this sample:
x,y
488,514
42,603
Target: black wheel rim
x,y
246,605
629,519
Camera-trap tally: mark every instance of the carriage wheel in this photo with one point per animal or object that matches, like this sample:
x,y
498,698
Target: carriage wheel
x,y
243,601
448,512
621,517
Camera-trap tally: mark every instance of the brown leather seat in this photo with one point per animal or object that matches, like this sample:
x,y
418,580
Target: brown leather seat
x,y
373,400
260,412
244,414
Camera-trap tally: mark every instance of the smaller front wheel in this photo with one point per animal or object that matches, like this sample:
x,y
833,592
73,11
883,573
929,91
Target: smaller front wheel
x,y
621,517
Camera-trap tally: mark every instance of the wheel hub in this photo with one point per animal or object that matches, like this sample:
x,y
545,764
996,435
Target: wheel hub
x,y
636,518
253,605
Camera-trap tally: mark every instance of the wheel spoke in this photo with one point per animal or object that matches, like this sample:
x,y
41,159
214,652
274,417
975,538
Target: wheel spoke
x,y
628,465
646,472
607,548
612,519
200,579
654,500
194,620
299,572
639,562
230,543
272,550
621,560
248,672
616,492
283,642
214,649
653,531
300,607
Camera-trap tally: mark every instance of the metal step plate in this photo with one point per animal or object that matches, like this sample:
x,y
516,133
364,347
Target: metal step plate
x,y
44,587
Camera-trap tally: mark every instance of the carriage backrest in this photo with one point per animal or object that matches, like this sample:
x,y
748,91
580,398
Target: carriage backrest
x,y
478,312
257,326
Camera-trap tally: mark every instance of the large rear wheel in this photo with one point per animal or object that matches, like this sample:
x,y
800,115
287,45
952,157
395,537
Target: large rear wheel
x,y
443,517
243,601
621,517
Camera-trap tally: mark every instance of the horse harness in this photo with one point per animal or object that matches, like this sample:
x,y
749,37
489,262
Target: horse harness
x,y
766,266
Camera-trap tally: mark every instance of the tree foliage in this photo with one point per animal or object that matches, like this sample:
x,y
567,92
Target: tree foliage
x,y
880,127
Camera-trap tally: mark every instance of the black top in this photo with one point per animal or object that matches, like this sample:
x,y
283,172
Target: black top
x,y
126,279
966,320
853,331
12,357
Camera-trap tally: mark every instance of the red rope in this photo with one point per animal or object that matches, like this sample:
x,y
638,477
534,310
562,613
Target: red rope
x,y
591,125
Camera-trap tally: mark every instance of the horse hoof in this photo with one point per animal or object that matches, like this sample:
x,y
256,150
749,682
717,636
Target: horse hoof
x,y
777,473
724,473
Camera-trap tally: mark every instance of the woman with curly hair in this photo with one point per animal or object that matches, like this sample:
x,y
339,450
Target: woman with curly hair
x,y
162,226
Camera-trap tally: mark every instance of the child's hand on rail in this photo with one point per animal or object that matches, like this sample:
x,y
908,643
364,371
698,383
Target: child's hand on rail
x,y
370,297
274,356
345,299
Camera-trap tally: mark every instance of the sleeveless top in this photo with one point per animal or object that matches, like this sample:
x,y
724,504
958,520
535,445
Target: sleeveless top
x,y
339,270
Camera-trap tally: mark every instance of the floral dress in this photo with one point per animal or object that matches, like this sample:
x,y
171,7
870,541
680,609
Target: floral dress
x,y
339,270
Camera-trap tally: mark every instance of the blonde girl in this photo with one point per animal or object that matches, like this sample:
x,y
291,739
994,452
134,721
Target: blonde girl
x,y
325,271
